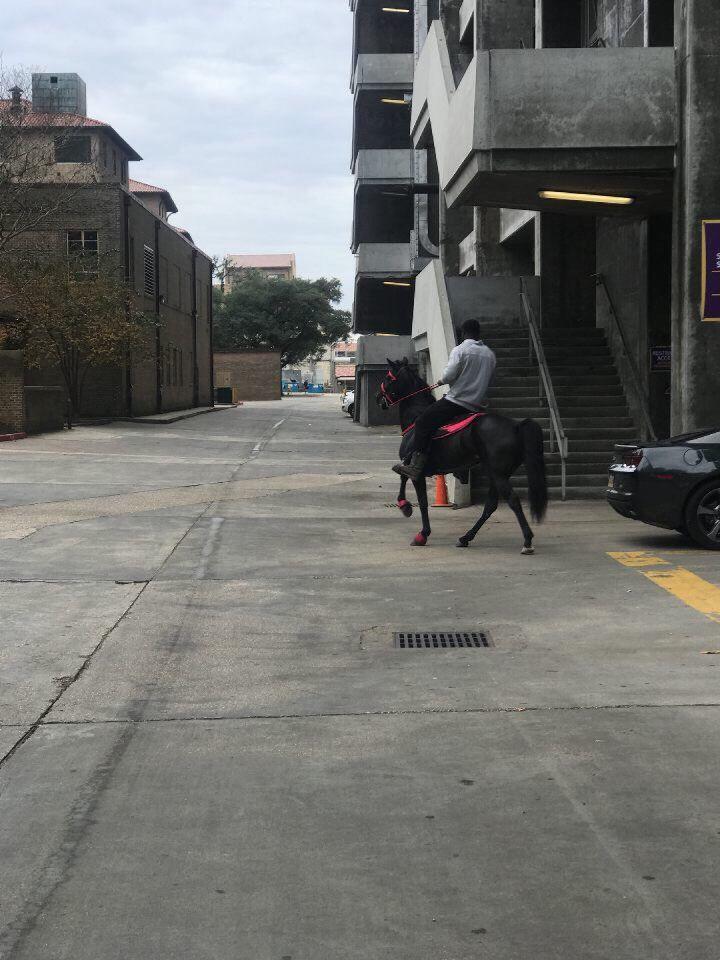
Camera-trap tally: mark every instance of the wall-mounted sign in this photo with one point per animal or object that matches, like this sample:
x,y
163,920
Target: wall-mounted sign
x,y
660,358
711,270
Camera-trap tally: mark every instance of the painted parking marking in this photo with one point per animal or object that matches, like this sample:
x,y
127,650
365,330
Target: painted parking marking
x,y
687,586
638,558
691,589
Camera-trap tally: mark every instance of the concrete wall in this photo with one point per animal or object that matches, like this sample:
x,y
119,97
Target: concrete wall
x,y
12,400
383,259
252,375
372,356
529,100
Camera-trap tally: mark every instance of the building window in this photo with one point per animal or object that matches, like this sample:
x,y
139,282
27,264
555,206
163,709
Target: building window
x,y
182,376
149,271
131,260
73,150
82,248
115,161
103,152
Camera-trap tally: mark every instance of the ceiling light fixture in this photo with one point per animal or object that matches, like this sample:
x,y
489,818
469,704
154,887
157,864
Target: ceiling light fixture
x,y
394,10
586,197
396,283
400,103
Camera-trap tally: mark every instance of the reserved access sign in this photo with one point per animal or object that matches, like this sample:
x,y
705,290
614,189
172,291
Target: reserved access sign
x,y
711,270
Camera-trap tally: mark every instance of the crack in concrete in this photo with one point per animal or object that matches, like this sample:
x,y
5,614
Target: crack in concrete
x,y
359,714
70,680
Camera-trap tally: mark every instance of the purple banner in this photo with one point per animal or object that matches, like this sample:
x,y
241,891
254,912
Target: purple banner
x,y
711,270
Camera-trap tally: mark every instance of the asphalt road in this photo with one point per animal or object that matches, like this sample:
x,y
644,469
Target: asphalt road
x,y
211,750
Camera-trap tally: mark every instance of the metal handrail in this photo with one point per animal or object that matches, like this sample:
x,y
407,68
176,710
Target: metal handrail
x,y
634,369
557,434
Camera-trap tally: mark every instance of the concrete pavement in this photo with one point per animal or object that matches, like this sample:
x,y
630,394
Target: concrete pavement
x,y
211,749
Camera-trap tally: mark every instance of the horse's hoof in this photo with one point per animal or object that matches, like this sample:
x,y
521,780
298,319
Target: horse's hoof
x,y
462,543
405,508
527,551
419,540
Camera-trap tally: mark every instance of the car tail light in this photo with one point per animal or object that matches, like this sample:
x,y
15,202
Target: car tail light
x,y
632,458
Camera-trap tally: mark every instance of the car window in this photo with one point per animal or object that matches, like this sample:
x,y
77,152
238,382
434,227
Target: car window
x,y
707,438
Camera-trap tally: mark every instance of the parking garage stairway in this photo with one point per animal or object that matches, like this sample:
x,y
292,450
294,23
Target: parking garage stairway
x,y
590,397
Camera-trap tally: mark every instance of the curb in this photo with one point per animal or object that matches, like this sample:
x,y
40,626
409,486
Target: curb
x,y
153,421
12,436
183,416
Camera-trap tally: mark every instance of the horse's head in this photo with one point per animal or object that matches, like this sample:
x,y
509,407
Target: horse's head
x,y
397,384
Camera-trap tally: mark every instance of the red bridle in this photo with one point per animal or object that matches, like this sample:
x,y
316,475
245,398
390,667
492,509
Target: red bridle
x,y
390,400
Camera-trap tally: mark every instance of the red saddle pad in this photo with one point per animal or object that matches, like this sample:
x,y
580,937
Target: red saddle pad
x,y
456,427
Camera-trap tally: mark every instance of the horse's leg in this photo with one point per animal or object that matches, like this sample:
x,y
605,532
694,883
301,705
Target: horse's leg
x,y
491,505
507,493
404,505
421,490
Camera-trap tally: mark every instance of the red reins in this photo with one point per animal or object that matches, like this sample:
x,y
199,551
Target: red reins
x,y
390,400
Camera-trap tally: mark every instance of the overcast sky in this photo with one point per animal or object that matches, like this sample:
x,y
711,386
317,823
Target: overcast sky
x,y
240,109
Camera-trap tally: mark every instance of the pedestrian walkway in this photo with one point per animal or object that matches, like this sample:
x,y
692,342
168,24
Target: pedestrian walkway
x,y
213,750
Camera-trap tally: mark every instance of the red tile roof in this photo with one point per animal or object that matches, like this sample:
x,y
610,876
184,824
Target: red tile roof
x,y
51,121
138,187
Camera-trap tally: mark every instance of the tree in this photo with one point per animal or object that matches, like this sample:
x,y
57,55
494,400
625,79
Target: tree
x,y
74,314
30,194
298,318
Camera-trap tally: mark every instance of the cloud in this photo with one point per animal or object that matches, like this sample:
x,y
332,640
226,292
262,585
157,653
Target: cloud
x,y
240,108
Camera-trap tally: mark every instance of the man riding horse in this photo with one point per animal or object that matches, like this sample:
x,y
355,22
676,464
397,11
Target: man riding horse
x,y
482,438
469,373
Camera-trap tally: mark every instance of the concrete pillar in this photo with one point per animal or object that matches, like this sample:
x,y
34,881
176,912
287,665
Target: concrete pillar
x,y
494,259
696,345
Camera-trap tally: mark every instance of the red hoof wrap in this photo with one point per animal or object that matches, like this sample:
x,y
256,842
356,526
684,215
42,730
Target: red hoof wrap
x,y
405,508
420,540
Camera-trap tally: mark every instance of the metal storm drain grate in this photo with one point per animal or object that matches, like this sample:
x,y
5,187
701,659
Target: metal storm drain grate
x,y
472,640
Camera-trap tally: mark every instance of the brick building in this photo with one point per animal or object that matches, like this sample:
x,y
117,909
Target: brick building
x,y
276,266
106,213
250,375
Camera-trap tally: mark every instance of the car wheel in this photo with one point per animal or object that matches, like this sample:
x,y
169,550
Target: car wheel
x,y
702,515
351,410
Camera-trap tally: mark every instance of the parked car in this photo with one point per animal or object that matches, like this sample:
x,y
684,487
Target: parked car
x,y
673,484
348,403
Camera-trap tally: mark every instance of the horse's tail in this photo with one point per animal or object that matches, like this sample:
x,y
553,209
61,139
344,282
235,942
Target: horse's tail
x,y
533,445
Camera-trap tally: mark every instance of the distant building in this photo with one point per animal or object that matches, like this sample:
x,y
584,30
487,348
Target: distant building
x,y
276,266
125,220
247,375
344,363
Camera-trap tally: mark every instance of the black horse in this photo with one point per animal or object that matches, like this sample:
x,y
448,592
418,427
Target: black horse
x,y
500,444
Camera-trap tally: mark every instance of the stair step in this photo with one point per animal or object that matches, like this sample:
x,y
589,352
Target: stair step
x,y
588,379
568,413
600,433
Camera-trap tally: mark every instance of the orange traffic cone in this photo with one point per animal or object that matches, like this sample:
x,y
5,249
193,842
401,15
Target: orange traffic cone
x,y
441,493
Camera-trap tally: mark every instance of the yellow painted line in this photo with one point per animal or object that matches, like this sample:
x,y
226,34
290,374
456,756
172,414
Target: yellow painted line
x,y
691,589
638,558
681,583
